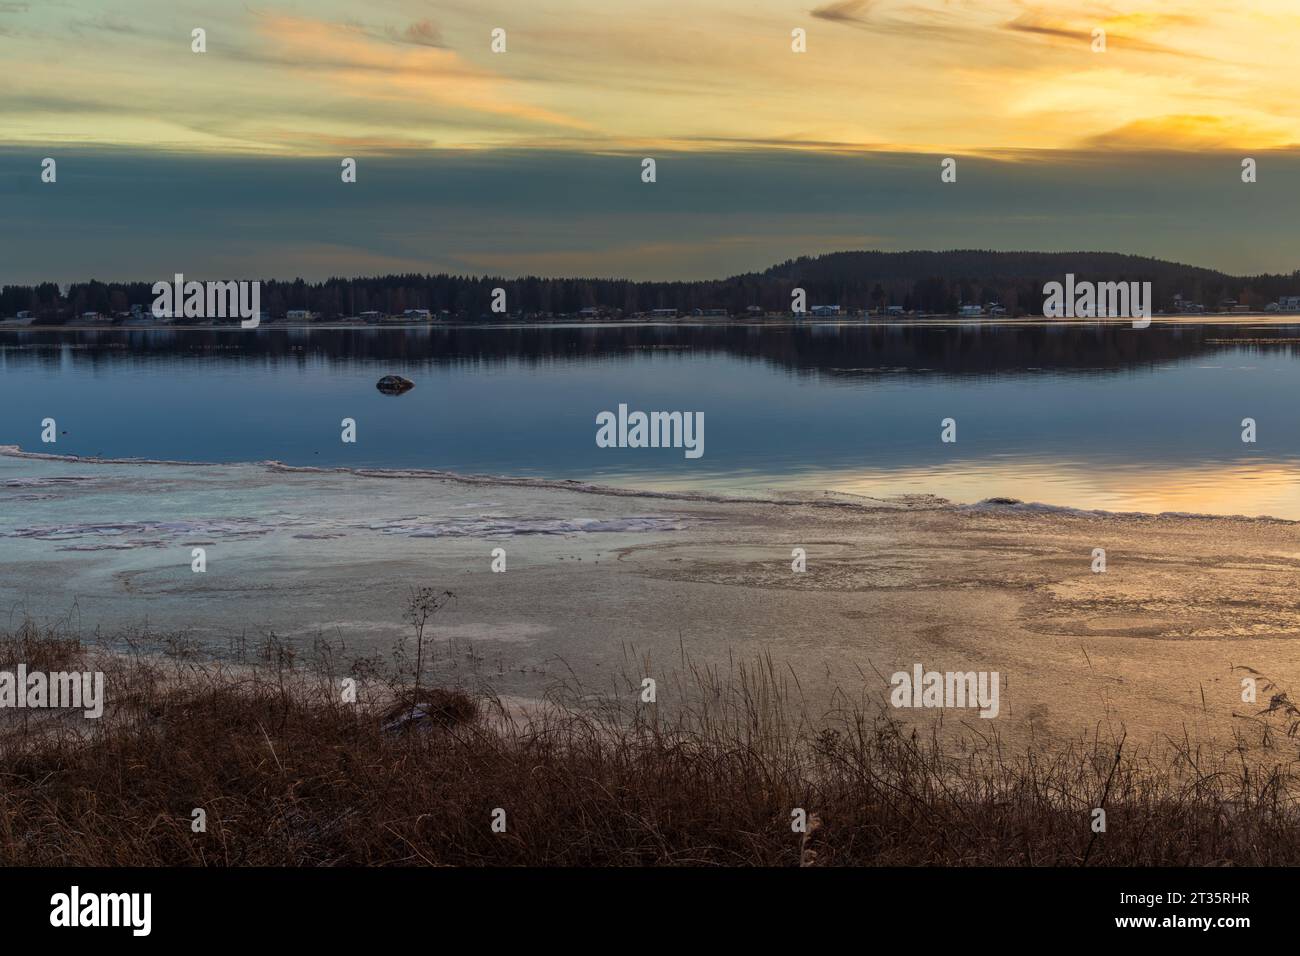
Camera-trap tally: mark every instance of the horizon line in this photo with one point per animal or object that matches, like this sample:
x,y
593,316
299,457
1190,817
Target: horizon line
x,y
484,277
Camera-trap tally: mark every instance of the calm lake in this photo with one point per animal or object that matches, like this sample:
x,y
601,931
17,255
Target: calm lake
x,y
1076,415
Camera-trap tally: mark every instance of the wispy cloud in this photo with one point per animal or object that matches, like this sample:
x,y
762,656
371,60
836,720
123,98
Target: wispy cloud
x,y
1192,132
845,11
422,33
1035,23
949,76
919,23
361,66
104,23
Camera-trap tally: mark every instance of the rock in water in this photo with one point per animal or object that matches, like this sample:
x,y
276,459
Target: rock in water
x,y
394,385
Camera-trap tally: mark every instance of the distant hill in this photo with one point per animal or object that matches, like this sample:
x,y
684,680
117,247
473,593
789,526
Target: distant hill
x,y
940,281
980,264
931,282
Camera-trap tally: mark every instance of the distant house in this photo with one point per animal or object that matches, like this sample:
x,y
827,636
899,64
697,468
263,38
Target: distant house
x,y
754,311
894,310
1285,303
710,313
663,313
417,315
25,315
970,311
298,315
371,316
92,317
590,312
824,311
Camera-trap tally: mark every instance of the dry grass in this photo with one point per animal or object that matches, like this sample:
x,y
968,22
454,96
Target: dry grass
x,y
291,775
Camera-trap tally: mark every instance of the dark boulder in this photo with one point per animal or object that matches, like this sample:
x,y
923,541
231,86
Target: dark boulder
x,y
394,385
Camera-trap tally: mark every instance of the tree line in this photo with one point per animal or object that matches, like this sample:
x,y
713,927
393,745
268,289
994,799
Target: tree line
x,y
931,282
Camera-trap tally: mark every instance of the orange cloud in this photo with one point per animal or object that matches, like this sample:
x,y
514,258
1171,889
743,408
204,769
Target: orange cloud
x,y
1191,131
361,65
846,11
1081,37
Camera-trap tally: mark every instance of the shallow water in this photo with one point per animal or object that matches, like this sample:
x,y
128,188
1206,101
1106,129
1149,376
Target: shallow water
x,y
600,586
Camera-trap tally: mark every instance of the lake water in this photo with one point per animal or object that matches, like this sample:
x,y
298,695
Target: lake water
x,y
1077,415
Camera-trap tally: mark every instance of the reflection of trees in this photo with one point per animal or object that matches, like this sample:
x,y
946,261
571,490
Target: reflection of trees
x,y
813,348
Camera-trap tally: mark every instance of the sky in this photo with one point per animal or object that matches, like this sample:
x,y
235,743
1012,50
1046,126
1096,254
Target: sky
x,y
226,162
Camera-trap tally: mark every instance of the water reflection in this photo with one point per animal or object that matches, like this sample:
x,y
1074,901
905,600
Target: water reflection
x,y
1084,415
829,348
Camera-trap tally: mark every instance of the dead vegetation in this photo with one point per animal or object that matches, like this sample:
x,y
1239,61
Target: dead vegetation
x,y
289,772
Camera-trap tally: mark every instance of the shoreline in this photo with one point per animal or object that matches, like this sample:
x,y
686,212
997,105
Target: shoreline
x,y
936,319
601,581
827,498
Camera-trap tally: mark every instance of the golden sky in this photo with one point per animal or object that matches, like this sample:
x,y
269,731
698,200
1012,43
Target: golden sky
x,y
329,77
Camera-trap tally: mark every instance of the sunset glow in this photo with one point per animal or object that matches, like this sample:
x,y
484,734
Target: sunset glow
x,y
901,75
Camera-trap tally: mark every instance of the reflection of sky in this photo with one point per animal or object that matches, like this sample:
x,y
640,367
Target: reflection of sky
x,y
1123,440
1232,488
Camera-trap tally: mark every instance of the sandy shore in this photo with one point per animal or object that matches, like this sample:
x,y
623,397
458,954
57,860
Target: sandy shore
x,y
601,582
